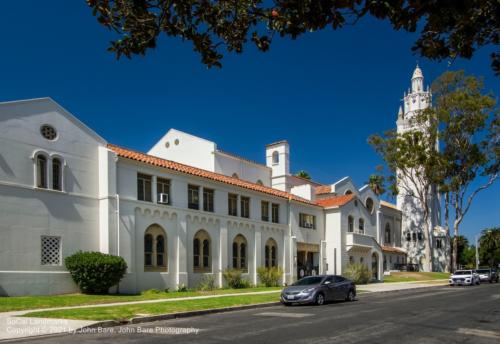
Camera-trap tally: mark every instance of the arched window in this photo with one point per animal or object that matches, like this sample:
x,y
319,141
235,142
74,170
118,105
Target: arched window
x,y
148,250
369,205
387,234
361,226
202,252
420,236
408,236
235,175
259,182
276,157
351,260
271,252
155,249
350,224
240,252
56,174
414,236
41,171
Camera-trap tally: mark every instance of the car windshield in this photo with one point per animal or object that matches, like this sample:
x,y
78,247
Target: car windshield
x,y
309,281
463,272
483,271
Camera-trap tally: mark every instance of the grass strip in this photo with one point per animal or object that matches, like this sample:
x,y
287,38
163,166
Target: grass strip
x,y
18,303
126,312
415,276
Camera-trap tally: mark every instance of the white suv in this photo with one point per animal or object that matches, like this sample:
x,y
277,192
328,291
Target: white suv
x,y
464,277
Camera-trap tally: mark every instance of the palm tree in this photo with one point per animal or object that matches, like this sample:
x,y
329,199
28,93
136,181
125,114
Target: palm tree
x,y
489,243
376,183
303,174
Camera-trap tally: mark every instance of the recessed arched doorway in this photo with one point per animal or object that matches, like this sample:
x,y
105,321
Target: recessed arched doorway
x,y
375,266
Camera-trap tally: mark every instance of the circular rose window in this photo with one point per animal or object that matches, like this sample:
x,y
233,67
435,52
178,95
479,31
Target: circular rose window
x,y
48,132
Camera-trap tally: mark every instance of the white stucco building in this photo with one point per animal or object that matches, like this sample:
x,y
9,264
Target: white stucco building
x,y
181,211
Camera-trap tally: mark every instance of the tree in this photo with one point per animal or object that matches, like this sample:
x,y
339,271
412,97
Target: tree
x,y
413,163
449,29
466,254
489,246
376,183
469,128
303,174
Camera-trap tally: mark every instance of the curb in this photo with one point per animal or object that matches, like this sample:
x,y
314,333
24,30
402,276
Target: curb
x,y
138,320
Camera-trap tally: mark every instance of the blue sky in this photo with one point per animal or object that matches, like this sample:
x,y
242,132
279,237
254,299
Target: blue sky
x,y
325,92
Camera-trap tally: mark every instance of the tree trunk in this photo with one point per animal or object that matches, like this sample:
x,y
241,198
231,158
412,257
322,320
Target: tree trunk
x,y
447,228
455,244
427,241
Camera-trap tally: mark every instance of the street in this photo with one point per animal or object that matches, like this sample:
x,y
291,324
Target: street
x,y
435,315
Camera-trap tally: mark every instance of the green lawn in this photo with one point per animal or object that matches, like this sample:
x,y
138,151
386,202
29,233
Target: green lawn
x,y
415,276
129,311
17,303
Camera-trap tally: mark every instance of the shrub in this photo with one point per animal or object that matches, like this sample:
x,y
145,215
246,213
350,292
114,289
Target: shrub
x,y
182,287
95,272
234,279
207,283
358,273
270,277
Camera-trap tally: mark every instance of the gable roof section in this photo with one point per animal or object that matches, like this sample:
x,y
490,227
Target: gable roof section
x,y
51,103
323,189
194,171
335,201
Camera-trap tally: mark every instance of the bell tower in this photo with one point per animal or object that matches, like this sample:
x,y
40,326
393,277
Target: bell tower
x,y
415,100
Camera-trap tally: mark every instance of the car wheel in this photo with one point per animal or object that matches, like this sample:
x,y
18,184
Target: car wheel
x,y
319,299
350,296
287,304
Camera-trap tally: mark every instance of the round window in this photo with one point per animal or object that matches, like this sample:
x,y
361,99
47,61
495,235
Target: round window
x,y
167,144
48,132
176,142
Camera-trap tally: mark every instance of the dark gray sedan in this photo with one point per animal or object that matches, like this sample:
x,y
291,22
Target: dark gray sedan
x,y
318,290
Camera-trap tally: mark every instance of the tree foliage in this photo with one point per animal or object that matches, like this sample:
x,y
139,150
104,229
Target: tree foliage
x,y
376,183
489,246
448,29
303,174
469,132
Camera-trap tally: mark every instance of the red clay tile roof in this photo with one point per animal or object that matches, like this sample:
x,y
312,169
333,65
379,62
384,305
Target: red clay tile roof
x,y
323,189
175,166
335,201
392,249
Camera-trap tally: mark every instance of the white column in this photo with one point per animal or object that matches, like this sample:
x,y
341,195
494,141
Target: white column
x,y
182,252
257,256
222,251
154,196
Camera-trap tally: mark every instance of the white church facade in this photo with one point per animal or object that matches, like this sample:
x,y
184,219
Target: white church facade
x,y
181,211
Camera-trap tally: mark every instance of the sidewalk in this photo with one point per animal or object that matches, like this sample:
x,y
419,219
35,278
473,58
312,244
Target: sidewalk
x,y
394,286
14,326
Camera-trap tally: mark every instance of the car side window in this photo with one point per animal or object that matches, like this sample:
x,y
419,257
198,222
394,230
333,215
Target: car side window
x,y
338,279
329,280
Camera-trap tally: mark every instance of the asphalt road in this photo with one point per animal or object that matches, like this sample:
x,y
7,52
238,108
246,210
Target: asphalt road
x,y
437,315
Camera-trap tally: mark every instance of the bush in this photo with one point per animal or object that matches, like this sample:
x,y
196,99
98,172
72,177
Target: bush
x,y
358,273
234,279
207,283
182,287
95,272
270,277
